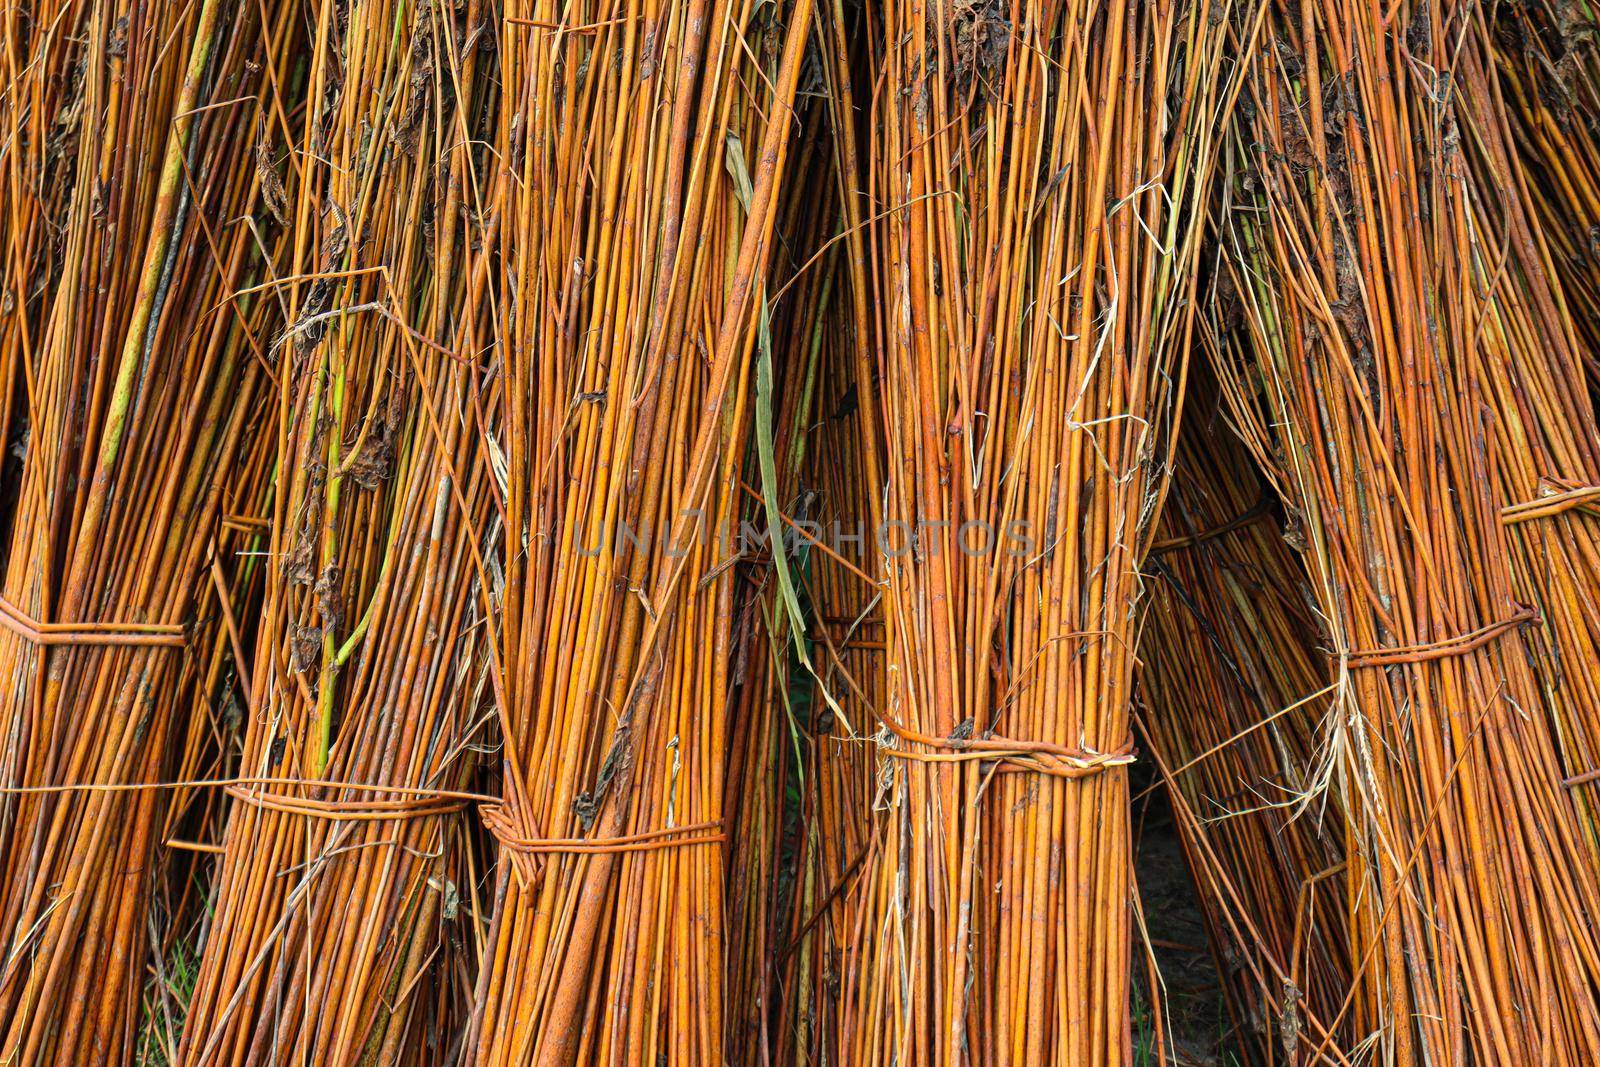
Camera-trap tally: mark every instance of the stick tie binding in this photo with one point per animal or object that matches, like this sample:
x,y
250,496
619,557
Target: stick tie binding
x,y
417,806
507,830
1556,498
96,634
528,854
1261,509
1459,645
1010,754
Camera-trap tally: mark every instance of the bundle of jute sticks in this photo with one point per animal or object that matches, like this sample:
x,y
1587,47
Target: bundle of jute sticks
x,y
699,531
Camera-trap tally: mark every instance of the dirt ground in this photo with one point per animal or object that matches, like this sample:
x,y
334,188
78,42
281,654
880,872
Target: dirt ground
x,y
1198,1026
